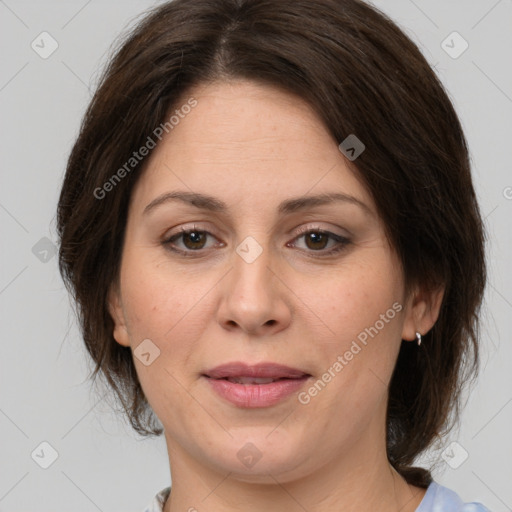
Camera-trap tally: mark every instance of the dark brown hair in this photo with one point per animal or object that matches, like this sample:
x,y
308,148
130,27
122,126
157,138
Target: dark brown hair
x,y
363,76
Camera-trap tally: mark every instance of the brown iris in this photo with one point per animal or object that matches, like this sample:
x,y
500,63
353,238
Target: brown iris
x,y
318,240
197,239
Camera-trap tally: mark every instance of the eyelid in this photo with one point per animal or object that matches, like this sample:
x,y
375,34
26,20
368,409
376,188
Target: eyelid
x,y
315,227
185,229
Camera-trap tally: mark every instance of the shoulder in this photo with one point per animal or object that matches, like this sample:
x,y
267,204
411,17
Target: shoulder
x,y
158,502
441,499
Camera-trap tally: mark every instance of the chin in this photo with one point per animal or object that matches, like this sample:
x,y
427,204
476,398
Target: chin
x,y
253,458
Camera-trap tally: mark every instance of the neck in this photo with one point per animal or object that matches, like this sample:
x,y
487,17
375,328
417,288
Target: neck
x,y
359,480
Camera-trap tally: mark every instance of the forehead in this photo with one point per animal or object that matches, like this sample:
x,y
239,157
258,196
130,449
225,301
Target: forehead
x,y
251,142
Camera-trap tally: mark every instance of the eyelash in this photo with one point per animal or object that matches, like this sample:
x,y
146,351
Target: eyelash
x,y
342,242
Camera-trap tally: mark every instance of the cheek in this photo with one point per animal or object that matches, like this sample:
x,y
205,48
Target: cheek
x,y
156,300
354,297
163,307
361,304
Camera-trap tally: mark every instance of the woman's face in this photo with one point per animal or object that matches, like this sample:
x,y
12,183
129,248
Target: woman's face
x,y
235,269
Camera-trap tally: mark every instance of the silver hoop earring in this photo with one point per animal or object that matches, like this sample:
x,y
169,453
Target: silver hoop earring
x,y
418,338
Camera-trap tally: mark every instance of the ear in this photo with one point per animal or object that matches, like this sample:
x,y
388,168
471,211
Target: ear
x,y
116,311
421,311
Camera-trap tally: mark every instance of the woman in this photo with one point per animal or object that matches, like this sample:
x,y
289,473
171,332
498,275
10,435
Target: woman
x,y
269,227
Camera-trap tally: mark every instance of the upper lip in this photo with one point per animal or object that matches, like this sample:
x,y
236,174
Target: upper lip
x,y
261,370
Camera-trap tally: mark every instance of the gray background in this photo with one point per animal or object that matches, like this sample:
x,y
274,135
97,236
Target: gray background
x,y
44,392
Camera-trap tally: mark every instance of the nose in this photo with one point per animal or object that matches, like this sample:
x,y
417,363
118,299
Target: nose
x,y
253,298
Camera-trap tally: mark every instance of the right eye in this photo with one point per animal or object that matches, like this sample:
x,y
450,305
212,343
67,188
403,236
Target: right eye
x,y
188,241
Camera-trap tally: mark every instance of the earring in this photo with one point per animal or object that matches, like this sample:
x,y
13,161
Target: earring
x,y
418,338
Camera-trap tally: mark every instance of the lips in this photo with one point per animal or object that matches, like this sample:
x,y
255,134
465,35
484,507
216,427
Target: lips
x,y
260,385
251,380
238,370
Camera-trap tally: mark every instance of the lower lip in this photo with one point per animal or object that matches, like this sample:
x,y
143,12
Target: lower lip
x,y
256,395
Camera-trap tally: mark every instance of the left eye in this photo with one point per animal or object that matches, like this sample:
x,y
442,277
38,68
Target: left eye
x,y
318,240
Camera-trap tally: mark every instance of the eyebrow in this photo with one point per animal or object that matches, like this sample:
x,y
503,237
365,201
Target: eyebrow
x,y
210,203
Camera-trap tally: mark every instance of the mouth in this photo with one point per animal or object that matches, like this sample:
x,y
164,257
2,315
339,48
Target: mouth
x,y
266,371
251,386
253,380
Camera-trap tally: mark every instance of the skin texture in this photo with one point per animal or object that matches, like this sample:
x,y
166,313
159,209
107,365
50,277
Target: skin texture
x,y
252,146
